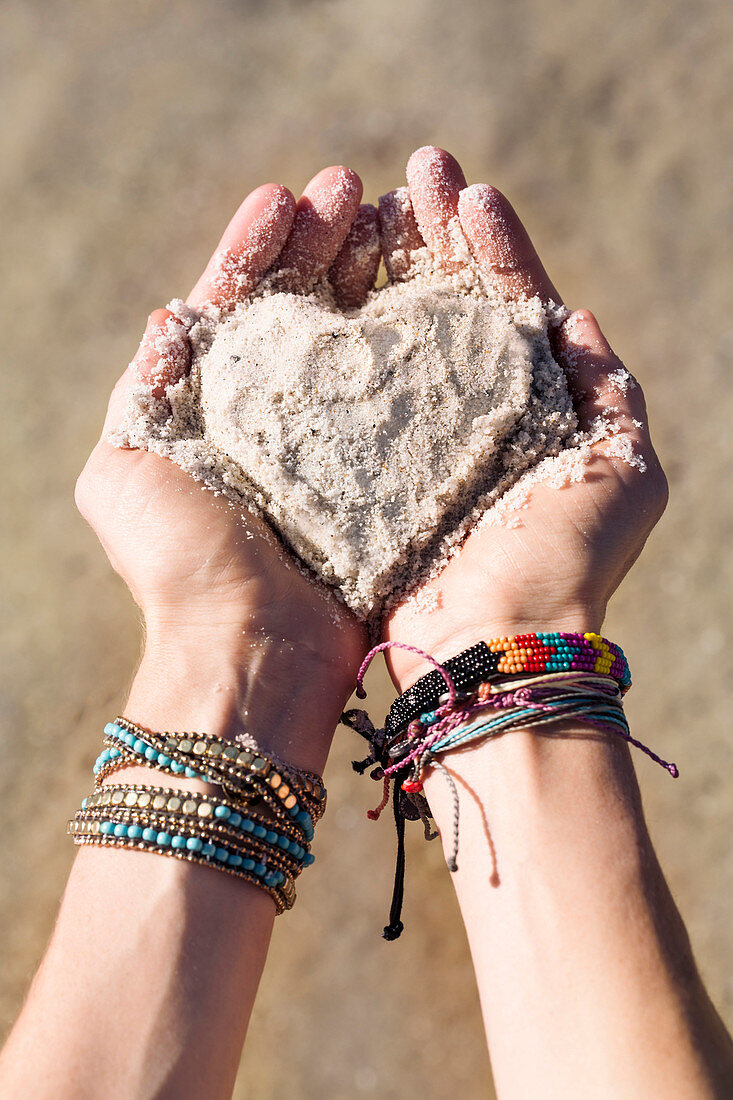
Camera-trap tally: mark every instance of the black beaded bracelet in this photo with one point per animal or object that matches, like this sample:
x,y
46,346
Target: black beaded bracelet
x,y
466,669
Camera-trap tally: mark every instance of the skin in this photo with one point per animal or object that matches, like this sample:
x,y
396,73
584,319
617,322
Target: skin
x,y
585,974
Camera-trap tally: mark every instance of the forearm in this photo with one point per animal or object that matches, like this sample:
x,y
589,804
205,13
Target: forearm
x,y
148,983
585,972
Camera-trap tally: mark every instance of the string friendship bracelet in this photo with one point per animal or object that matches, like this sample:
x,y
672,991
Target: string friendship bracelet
x,y
528,681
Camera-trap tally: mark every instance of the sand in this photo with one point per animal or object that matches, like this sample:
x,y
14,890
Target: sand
x,y
372,438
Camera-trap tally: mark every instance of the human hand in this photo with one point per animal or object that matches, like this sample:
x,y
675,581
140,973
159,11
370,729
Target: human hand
x,y
557,569
236,633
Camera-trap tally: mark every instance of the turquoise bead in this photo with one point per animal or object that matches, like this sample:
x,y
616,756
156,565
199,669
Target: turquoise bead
x,y
178,842
163,839
235,820
235,860
222,811
304,818
134,831
222,855
190,773
129,739
84,803
163,760
259,869
151,754
139,746
271,837
109,729
194,844
248,864
248,826
120,830
260,831
107,827
271,880
309,858
150,834
283,842
208,849
177,768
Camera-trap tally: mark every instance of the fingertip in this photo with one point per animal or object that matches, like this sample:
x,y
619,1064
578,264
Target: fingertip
x,y
432,160
157,318
342,184
435,180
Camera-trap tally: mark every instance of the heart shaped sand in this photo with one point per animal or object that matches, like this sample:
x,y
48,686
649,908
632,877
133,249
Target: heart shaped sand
x,y
369,439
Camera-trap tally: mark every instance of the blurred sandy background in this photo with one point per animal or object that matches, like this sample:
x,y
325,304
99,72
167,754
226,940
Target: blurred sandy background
x,y
130,132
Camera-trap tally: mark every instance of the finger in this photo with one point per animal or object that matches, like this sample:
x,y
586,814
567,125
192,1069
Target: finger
x,y
400,235
162,359
436,180
251,243
354,271
323,218
600,383
501,245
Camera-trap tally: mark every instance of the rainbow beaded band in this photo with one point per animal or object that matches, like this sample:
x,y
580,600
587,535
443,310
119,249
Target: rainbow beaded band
x,y
535,653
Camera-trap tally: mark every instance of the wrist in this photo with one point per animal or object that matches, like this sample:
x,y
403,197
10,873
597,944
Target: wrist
x,y
288,698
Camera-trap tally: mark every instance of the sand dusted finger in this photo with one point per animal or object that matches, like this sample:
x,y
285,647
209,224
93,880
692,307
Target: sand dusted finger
x,y
501,245
354,271
162,359
435,179
323,217
599,381
249,247
399,233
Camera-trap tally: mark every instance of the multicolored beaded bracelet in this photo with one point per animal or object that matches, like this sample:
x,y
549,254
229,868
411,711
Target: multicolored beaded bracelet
x,y
537,652
161,804
148,827
243,773
215,758
208,855
220,832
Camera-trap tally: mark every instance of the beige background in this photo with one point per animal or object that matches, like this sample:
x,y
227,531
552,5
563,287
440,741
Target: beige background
x,y
130,133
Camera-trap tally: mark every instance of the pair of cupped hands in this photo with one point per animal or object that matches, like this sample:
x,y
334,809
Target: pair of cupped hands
x,y
217,584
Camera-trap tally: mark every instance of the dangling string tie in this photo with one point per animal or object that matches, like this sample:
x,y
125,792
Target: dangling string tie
x,y
376,813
